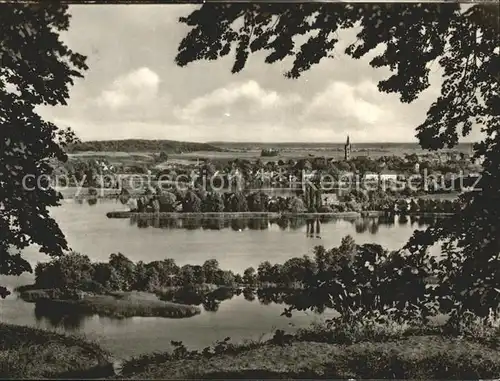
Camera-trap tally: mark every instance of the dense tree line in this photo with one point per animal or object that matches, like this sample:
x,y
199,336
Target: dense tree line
x,y
414,205
198,200
361,279
76,271
356,200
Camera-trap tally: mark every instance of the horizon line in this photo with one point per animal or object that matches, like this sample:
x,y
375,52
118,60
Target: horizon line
x,y
258,142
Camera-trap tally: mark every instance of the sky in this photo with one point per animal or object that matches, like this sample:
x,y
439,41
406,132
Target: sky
x,y
134,89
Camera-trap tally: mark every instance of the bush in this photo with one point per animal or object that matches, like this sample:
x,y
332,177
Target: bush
x,y
296,205
92,286
325,209
67,271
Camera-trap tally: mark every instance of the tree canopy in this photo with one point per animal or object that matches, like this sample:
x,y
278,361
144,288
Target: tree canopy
x,y
37,69
464,41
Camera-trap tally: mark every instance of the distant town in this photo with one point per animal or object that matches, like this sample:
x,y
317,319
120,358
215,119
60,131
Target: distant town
x,y
349,178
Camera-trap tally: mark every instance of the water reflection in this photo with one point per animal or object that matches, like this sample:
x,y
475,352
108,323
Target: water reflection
x,y
211,300
249,295
65,316
386,220
90,200
372,224
217,223
211,305
59,316
313,226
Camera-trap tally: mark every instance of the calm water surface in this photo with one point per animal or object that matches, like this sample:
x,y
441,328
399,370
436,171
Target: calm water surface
x,y
90,232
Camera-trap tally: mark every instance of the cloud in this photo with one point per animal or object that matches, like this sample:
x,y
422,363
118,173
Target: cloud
x,y
248,111
105,129
135,88
342,102
246,102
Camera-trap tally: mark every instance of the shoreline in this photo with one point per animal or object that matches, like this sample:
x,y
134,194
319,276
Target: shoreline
x,y
128,214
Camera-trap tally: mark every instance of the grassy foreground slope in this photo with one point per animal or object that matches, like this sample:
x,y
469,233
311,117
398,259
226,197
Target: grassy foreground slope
x,y
362,352
352,350
418,357
33,353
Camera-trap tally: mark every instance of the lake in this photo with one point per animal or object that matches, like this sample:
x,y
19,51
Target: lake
x,y
90,232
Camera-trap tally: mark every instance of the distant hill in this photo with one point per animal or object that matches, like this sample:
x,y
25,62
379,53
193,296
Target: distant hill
x,y
143,145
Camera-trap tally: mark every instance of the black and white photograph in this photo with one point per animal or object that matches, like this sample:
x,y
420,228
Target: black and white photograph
x,y
250,190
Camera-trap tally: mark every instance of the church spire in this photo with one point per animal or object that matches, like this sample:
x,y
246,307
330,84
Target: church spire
x,y
347,149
